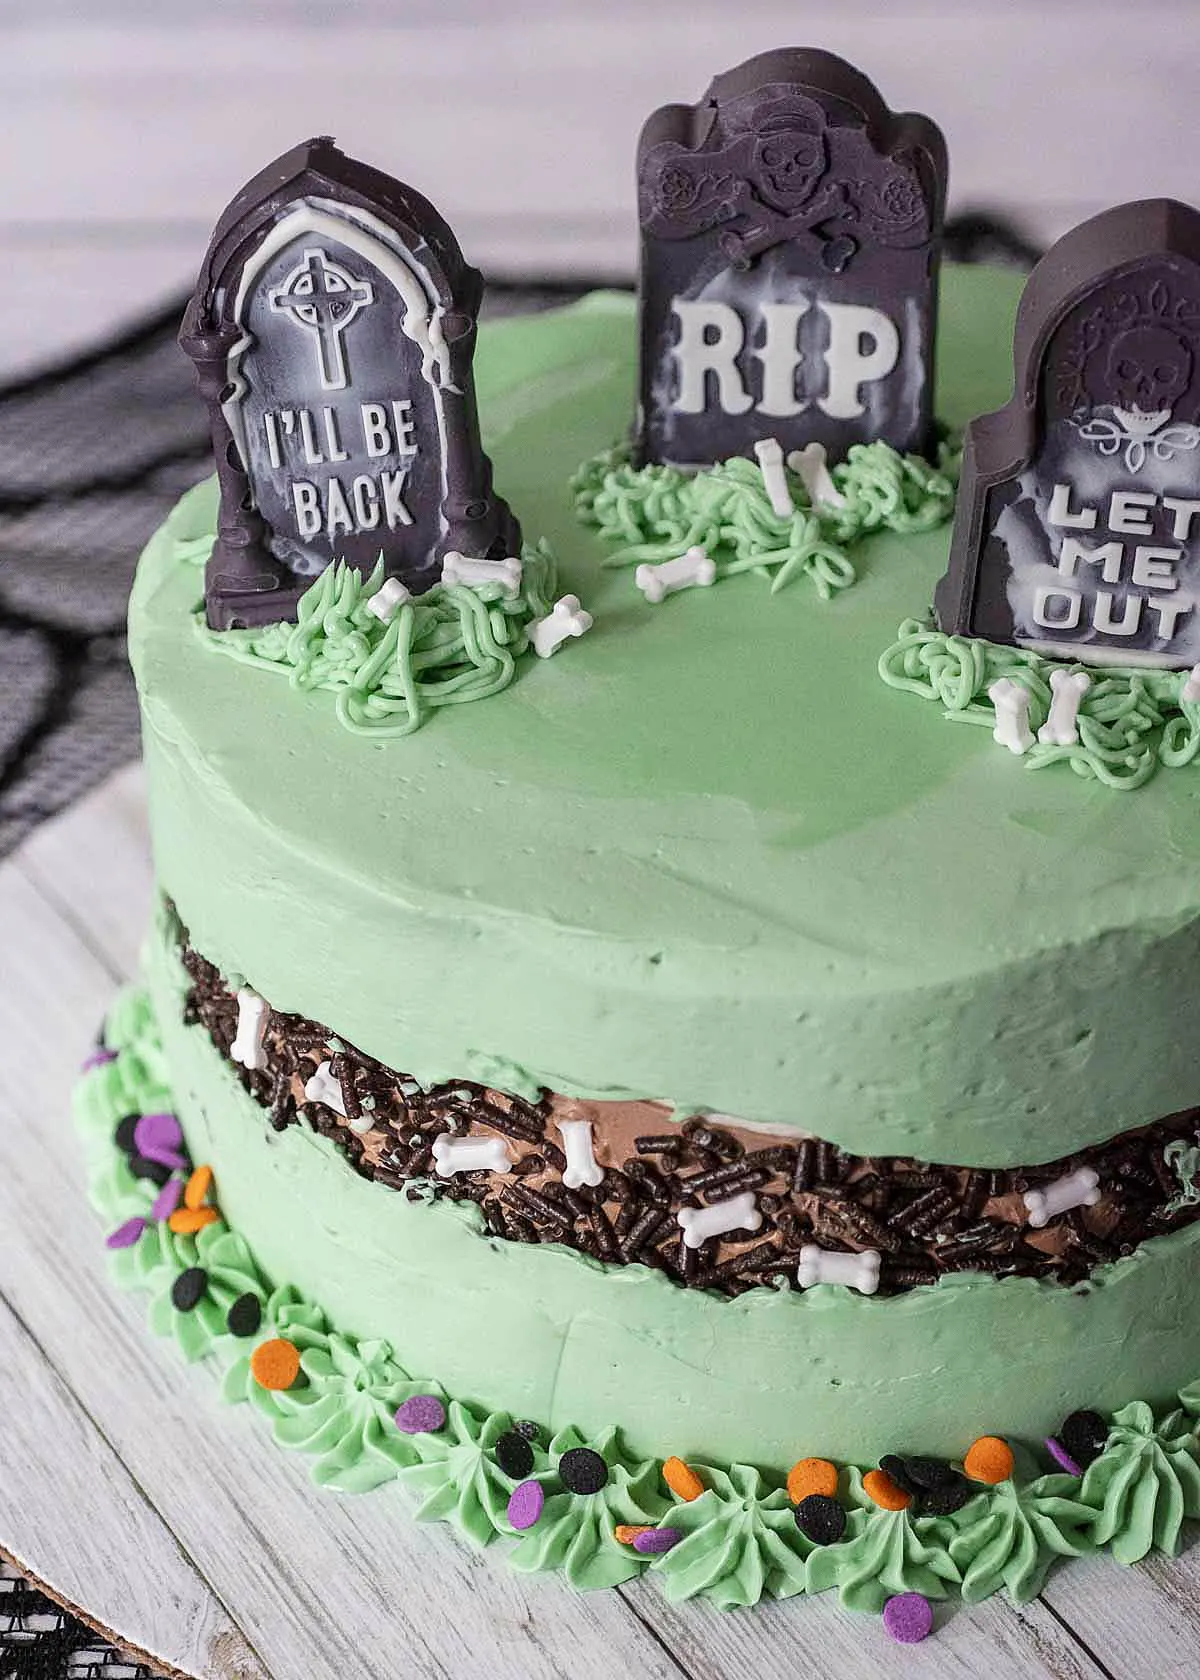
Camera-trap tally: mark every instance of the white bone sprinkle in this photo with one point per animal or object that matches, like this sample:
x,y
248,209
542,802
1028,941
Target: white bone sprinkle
x,y
824,1265
735,1213
770,464
1061,728
247,1046
456,568
689,570
1191,688
388,599
1011,700
469,1154
1080,1188
809,464
582,1166
322,1087
568,618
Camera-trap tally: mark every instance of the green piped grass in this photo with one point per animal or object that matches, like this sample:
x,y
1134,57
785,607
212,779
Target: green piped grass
x,y
656,513
452,645
1131,722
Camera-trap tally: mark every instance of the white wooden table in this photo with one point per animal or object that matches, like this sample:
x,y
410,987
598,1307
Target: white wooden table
x,y
125,1486
135,1495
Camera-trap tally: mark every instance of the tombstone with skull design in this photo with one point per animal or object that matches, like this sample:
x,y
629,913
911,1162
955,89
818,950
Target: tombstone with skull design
x,y
1077,530
333,330
791,231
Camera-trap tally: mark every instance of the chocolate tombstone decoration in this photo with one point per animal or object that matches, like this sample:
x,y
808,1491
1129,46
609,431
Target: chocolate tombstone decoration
x,y
333,330
791,234
1077,530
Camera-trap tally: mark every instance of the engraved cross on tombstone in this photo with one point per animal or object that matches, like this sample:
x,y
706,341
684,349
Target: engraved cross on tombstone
x,y
333,330
324,298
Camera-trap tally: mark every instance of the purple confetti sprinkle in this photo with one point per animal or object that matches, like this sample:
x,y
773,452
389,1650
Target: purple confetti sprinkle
x,y
656,1540
98,1058
168,1199
423,1414
155,1134
908,1618
525,1504
126,1235
1062,1457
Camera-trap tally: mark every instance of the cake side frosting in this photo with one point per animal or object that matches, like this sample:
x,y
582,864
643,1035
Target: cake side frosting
x,y
546,1332
706,858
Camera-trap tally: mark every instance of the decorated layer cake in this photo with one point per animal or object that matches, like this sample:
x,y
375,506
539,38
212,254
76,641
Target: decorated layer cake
x,y
609,1059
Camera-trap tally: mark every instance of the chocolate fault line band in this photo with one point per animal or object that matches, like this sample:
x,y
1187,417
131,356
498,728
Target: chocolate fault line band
x,y
710,1206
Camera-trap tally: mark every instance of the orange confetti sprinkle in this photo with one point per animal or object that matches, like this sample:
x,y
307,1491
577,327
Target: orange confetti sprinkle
x,y
990,1460
812,1475
627,1533
186,1221
682,1479
275,1364
198,1186
880,1487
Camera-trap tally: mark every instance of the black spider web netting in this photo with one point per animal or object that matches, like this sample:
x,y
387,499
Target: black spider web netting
x,y
93,454
39,1640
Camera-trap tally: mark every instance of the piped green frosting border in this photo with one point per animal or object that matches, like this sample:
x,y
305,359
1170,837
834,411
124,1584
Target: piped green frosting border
x,y
454,644
1131,722
738,1542
656,513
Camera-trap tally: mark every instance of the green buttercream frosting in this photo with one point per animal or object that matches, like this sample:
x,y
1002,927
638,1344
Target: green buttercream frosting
x,y
1008,1537
576,1532
1143,1485
657,513
457,1478
738,1540
1130,722
341,1410
740,1543
454,644
892,1552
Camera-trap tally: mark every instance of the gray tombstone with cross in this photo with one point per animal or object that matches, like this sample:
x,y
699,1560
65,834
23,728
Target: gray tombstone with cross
x,y
333,329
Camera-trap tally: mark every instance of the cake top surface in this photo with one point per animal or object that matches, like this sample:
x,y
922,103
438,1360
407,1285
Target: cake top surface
x,y
704,854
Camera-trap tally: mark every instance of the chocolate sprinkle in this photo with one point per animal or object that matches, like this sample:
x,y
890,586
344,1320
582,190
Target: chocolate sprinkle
x,y
244,1316
582,1471
926,1220
820,1519
514,1455
189,1289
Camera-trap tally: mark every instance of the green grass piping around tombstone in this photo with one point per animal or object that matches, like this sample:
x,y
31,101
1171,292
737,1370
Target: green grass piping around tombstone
x,y
657,513
1130,721
449,646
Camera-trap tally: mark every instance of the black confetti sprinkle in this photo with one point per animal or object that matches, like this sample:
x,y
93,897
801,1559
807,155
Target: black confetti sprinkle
x,y
123,1136
820,1519
189,1288
1085,1435
582,1471
156,1171
244,1316
944,1501
514,1455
